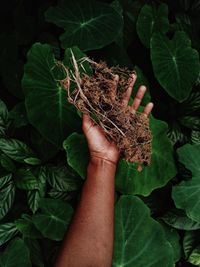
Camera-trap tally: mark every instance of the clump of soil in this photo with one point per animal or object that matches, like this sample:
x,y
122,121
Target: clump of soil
x,y
101,96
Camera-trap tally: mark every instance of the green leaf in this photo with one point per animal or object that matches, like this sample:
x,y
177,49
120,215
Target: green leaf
x,y
189,242
150,20
3,118
176,133
131,11
54,218
139,240
194,257
18,115
175,64
77,153
90,26
54,117
42,145
26,227
16,254
61,179
25,180
115,54
186,195
34,196
7,232
53,193
179,220
36,253
191,104
195,137
174,239
7,163
16,150
7,195
192,122
157,174
5,179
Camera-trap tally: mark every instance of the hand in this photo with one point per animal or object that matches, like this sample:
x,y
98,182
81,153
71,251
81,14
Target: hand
x,y
99,146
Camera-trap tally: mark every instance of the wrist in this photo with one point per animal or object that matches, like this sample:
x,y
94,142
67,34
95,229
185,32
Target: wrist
x,y
102,161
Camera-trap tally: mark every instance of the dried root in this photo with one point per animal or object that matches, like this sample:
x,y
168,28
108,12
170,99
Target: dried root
x,y
101,96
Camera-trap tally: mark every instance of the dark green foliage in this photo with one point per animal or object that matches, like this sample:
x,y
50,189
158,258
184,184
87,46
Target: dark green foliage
x,y
44,154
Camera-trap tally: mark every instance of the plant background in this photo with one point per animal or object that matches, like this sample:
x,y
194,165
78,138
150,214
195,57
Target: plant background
x,y
43,153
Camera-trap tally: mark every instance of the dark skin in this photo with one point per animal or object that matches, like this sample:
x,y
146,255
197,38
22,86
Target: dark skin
x,y
89,240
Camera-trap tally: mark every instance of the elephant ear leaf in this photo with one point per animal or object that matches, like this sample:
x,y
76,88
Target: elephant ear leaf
x,y
139,240
46,100
186,195
90,25
150,20
175,64
53,219
157,174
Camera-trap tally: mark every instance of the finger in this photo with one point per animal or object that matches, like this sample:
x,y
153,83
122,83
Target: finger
x,y
148,108
138,98
127,94
116,79
86,122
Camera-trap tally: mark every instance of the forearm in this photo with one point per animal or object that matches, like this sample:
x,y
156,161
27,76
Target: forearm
x,y
89,241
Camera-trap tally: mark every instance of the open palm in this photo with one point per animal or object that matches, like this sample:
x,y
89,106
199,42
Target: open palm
x,y
98,144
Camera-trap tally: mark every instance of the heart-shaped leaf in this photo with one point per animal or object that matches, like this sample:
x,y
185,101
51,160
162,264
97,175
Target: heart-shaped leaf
x,y
150,20
53,219
157,174
139,240
175,64
88,26
53,117
186,195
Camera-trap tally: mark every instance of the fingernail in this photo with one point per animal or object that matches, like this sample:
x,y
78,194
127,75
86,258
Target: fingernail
x,y
151,103
143,88
134,76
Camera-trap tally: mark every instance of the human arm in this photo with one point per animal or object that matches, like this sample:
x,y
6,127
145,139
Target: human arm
x,y
89,241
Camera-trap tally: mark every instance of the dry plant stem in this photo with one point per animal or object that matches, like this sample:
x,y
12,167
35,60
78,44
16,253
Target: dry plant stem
x,y
102,95
78,83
